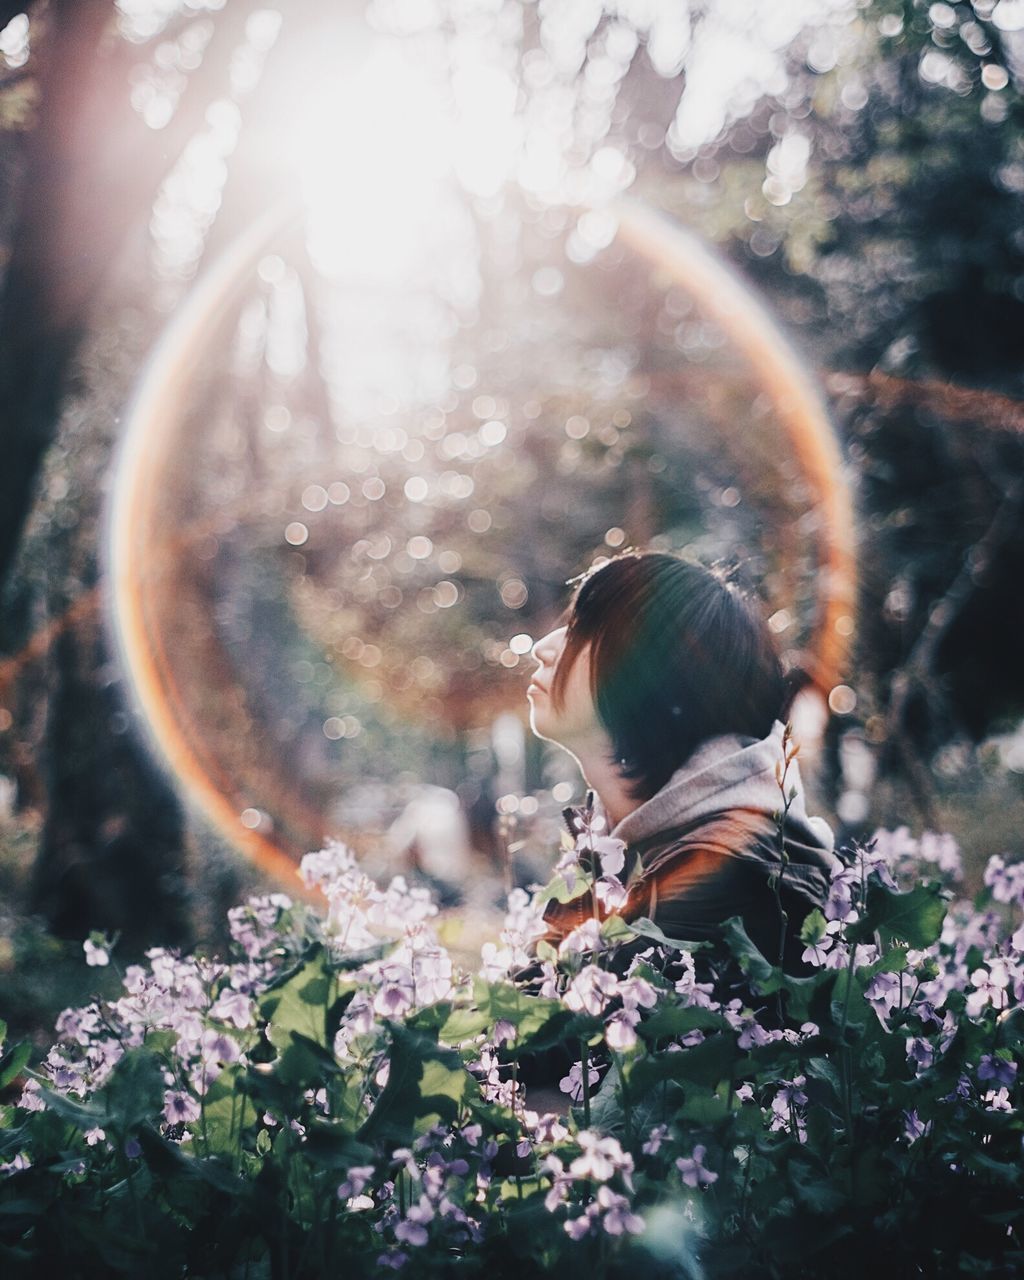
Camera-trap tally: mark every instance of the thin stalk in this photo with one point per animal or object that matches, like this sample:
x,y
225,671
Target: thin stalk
x,y
585,1080
627,1110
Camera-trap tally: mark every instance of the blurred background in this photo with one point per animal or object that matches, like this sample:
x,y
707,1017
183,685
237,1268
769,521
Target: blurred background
x,y
324,363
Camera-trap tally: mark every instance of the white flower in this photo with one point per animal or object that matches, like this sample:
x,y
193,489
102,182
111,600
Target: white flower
x,y
611,893
97,950
31,1099
585,937
611,852
620,1030
591,990
601,1158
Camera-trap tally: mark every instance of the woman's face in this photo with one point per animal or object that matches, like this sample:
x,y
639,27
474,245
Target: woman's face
x,y
575,724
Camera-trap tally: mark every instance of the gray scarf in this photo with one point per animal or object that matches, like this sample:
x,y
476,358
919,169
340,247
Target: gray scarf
x,y
729,773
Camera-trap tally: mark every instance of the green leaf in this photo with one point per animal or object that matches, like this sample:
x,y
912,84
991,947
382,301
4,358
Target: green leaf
x,y
814,1188
306,1062
823,1069
425,1082
914,917
223,1112
645,928
301,1002
674,1020
763,975
813,928
501,1001
706,1064
704,1108
558,890
766,978
13,1061
134,1093
614,929
84,1115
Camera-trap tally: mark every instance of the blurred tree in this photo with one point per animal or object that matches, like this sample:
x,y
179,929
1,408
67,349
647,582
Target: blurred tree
x,y
878,198
89,173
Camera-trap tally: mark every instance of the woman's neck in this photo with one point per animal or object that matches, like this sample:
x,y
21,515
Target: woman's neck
x,y
602,775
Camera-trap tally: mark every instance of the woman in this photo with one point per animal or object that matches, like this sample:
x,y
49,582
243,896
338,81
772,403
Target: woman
x,y
665,686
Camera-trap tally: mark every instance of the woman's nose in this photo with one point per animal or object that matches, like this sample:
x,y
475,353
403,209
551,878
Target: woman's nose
x,y
545,652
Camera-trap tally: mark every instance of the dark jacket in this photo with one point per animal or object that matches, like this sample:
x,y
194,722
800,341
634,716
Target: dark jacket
x,y
708,846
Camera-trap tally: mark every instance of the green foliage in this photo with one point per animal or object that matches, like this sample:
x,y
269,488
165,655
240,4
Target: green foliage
x,y
766,1125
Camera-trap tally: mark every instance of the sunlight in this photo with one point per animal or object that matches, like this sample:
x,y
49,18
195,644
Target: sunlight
x,y
373,152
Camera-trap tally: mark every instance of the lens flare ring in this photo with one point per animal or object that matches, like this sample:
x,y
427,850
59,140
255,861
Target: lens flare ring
x,y
160,400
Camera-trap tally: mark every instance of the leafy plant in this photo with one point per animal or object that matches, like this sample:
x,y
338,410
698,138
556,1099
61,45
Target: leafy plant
x,y
337,1097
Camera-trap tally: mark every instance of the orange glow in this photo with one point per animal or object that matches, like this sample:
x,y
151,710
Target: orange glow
x,y
800,408
148,439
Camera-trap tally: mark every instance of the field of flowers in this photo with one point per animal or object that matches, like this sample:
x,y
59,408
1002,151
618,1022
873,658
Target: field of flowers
x,y
337,1098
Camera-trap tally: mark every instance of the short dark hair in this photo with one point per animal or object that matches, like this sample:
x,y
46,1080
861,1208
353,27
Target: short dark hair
x,y
678,655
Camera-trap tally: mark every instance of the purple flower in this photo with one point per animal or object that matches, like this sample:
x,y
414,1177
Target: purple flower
x,y
1006,882
180,1108
692,1168
611,853
997,1100
585,937
577,1228
31,1099
943,851
618,1217
396,993
921,1053
546,1128
914,1127
786,1106
882,993
358,1176
995,1068
219,1049
611,893
231,1006
561,1181
572,1084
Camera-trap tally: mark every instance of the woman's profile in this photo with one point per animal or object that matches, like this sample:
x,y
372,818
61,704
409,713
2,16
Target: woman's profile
x,y
664,684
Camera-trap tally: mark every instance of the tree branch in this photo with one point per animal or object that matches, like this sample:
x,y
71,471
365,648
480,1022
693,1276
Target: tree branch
x,y
917,673
970,405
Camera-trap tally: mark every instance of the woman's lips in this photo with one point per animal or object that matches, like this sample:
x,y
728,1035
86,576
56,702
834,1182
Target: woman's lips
x,y
535,687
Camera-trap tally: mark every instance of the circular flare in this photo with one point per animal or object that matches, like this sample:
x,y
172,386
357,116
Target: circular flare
x,y
160,402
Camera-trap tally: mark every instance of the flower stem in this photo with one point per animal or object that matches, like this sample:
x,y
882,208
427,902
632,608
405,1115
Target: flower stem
x,y
585,1081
